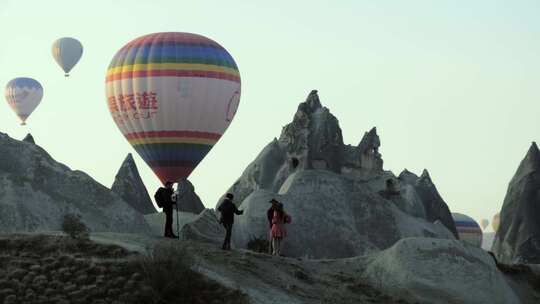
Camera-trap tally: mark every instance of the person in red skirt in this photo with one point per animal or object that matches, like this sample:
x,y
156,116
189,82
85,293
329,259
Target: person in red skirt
x,y
278,231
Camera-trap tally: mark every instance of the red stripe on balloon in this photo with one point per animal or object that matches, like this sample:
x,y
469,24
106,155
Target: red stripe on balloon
x,y
172,73
172,163
190,134
171,173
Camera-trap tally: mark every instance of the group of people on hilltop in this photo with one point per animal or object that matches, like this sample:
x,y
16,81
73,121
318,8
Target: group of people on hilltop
x,y
276,215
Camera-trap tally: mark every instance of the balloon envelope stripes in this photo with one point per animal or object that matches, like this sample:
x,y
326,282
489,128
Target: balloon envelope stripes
x,y
172,95
23,96
468,229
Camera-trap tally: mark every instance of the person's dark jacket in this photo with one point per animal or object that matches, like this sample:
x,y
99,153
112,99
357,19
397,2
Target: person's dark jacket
x,y
163,197
228,210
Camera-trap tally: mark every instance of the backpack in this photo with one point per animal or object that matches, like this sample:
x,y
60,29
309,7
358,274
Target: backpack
x,y
158,197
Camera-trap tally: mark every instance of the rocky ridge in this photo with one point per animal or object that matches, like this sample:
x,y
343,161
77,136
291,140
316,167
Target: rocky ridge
x,y
36,192
130,187
343,203
518,238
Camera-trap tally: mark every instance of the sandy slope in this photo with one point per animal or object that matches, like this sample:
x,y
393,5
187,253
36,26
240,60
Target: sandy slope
x,y
266,279
415,270
424,271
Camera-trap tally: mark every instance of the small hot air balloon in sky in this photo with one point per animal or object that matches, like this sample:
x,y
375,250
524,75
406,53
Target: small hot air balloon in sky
x,y
484,223
173,95
468,229
23,96
495,222
67,52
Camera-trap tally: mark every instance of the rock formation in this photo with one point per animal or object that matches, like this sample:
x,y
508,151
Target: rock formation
x,y
157,221
36,191
313,140
205,228
188,200
332,217
424,270
368,150
130,187
434,205
518,237
29,139
341,200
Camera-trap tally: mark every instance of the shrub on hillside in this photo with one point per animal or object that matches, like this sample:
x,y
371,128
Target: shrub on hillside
x,y
73,226
258,244
168,272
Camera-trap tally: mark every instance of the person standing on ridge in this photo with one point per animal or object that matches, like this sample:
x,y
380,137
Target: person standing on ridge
x,y
228,210
278,231
164,200
269,216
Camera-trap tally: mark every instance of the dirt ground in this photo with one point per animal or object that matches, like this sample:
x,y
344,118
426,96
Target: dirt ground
x,y
54,269
269,279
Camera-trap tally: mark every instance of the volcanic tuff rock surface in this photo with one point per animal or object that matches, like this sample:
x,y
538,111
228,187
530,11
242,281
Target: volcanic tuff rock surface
x,y
188,200
518,237
29,139
205,228
36,191
439,271
130,187
157,221
341,200
414,270
434,206
313,140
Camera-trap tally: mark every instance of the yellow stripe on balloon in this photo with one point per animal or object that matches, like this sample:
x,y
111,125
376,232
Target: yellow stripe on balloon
x,y
172,66
173,140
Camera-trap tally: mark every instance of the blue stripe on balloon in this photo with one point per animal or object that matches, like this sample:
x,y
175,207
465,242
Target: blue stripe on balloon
x,y
24,82
181,53
163,152
466,224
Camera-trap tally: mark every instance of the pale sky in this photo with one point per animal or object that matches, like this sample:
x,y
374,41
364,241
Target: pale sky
x,y
452,86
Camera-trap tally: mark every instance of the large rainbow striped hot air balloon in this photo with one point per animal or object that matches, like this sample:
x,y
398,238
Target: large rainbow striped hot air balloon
x,y
173,95
468,229
23,96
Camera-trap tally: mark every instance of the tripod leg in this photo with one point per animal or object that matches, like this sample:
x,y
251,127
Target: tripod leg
x,y
177,223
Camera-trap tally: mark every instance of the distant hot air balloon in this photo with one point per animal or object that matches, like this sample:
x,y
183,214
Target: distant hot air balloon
x,y
468,229
67,52
495,222
484,223
173,95
23,96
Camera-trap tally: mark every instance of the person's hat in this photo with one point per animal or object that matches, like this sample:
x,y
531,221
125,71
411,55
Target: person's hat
x,y
273,201
229,196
